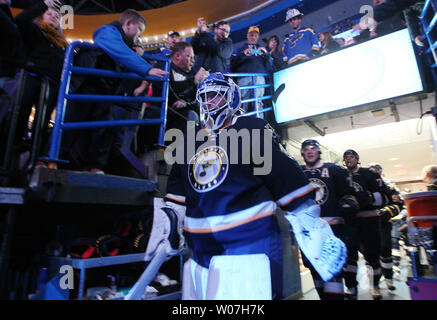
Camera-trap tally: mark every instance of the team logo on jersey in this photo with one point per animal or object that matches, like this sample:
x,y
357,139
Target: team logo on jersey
x,y
322,191
357,186
295,39
208,169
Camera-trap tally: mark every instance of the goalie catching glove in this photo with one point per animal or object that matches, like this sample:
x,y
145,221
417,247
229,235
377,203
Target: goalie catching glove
x,y
323,249
167,229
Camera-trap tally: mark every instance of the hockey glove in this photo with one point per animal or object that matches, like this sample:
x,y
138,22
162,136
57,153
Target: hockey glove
x,y
167,229
349,207
323,249
388,212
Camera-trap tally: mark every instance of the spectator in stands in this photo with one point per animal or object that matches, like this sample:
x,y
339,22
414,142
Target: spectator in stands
x,y
276,53
115,40
11,59
11,51
341,42
384,9
183,87
328,44
44,47
429,175
212,51
302,43
251,58
182,106
172,38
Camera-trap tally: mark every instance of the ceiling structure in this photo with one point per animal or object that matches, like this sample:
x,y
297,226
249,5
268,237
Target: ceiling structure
x,y
180,15
401,142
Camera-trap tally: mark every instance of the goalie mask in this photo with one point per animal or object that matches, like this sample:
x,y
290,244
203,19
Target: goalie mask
x,y
219,98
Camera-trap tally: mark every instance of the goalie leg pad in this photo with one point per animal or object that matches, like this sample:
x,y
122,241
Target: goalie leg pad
x,y
229,277
239,277
195,280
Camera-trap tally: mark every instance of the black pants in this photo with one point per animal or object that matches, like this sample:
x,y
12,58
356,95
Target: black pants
x,y
96,142
333,288
30,98
386,246
363,235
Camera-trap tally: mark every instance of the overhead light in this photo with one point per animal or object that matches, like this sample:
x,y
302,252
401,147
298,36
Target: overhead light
x,y
393,159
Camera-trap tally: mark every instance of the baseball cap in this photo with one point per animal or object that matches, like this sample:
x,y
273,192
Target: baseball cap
x,y
291,13
253,29
173,33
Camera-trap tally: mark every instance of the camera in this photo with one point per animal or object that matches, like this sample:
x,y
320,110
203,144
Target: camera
x,y
255,51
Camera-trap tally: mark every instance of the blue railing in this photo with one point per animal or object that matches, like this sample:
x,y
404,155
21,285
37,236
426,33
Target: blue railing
x,y
64,96
428,21
253,87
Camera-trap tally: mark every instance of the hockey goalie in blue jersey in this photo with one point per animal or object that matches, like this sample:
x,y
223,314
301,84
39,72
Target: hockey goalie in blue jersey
x,y
229,198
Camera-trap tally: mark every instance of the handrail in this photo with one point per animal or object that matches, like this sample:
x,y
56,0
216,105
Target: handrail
x,y
64,95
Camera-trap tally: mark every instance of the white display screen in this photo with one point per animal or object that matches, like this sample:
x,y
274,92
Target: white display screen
x,y
375,70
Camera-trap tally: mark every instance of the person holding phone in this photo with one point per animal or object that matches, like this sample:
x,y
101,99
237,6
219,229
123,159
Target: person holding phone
x,y
252,58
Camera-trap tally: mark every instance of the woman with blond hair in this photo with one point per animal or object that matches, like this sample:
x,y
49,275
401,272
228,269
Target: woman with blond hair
x,y
44,49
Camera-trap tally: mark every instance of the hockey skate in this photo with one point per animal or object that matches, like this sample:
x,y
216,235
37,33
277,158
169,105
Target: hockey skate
x,y
375,292
351,293
390,285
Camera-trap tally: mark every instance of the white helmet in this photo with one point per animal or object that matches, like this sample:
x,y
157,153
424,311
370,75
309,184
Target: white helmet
x,y
291,13
219,98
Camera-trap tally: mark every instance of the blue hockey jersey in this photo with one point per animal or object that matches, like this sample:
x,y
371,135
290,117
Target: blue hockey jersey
x,y
227,204
301,44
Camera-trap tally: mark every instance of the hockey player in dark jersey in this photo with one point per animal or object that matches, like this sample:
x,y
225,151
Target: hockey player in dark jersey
x,y
227,206
391,210
363,234
335,195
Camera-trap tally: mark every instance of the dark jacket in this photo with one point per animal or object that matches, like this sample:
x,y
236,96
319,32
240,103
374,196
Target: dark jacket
x,y
211,55
41,54
331,47
181,87
432,186
278,60
390,7
11,51
259,63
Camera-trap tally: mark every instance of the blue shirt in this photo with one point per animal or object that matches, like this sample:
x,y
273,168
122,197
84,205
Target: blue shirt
x,y
300,44
109,39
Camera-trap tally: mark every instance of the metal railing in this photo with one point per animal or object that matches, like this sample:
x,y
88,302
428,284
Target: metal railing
x,y
64,96
253,86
